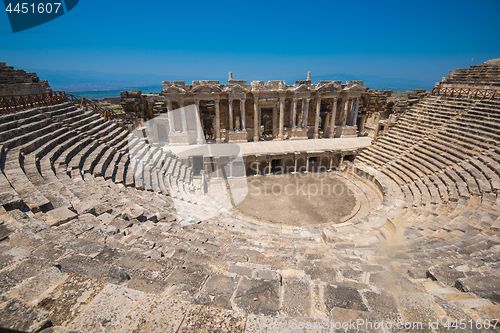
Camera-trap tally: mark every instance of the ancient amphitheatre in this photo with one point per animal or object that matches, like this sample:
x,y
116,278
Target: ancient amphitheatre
x,y
102,229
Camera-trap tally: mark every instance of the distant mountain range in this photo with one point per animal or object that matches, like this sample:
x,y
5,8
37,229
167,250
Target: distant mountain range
x,y
76,80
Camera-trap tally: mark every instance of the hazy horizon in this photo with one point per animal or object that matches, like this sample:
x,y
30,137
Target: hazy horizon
x,y
413,44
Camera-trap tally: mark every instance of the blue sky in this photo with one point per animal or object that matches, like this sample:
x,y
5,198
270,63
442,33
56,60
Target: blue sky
x,y
261,40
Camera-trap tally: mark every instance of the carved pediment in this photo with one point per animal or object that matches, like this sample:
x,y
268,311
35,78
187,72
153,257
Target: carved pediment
x,y
173,89
302,88
206,89
236,89
356,87
331,86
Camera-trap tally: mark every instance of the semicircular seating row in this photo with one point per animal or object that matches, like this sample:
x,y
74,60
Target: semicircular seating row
x,y
75,214
444,156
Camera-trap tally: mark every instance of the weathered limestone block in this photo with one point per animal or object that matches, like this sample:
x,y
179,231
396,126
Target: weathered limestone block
x,y
343,297
10,255
69,298
258,296
35,286
85,207
107,310
15,314
217,291
417,307
485,286
25,239
208,319
383,304
59,216
105,218
155,313
445,274
296,299
81,264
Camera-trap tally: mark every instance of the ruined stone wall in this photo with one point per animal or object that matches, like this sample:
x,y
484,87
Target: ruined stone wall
x,y
403,104
135,103
484,76
378,101
18,82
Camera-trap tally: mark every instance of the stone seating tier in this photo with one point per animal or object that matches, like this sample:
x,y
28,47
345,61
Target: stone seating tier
x,y
106,250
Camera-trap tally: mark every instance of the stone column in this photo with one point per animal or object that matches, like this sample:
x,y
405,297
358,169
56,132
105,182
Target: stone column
x,y
300,120
306,114
282,118
295,163
362,123
275,120
269,165
243,117
170,115
332,119
307,164
351,111
231,123
199,128
344,112
256,122
355,118
257,167
331,161
326,126
316,120
294,113
183,116
217,120
341,161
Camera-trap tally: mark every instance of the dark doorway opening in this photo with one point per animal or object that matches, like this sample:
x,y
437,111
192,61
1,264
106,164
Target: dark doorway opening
x,y
208,128
276,167
267,123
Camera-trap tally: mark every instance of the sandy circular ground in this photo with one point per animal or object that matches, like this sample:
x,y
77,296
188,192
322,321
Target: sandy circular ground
x,y
300,199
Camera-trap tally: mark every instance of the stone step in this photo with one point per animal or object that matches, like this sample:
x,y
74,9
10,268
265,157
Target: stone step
x,y
104,163
35,200
93,158
70,149
78,160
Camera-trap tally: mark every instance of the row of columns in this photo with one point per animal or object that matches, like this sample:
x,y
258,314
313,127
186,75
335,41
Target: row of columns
x,y
351,108
199,129
270,158
231,118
